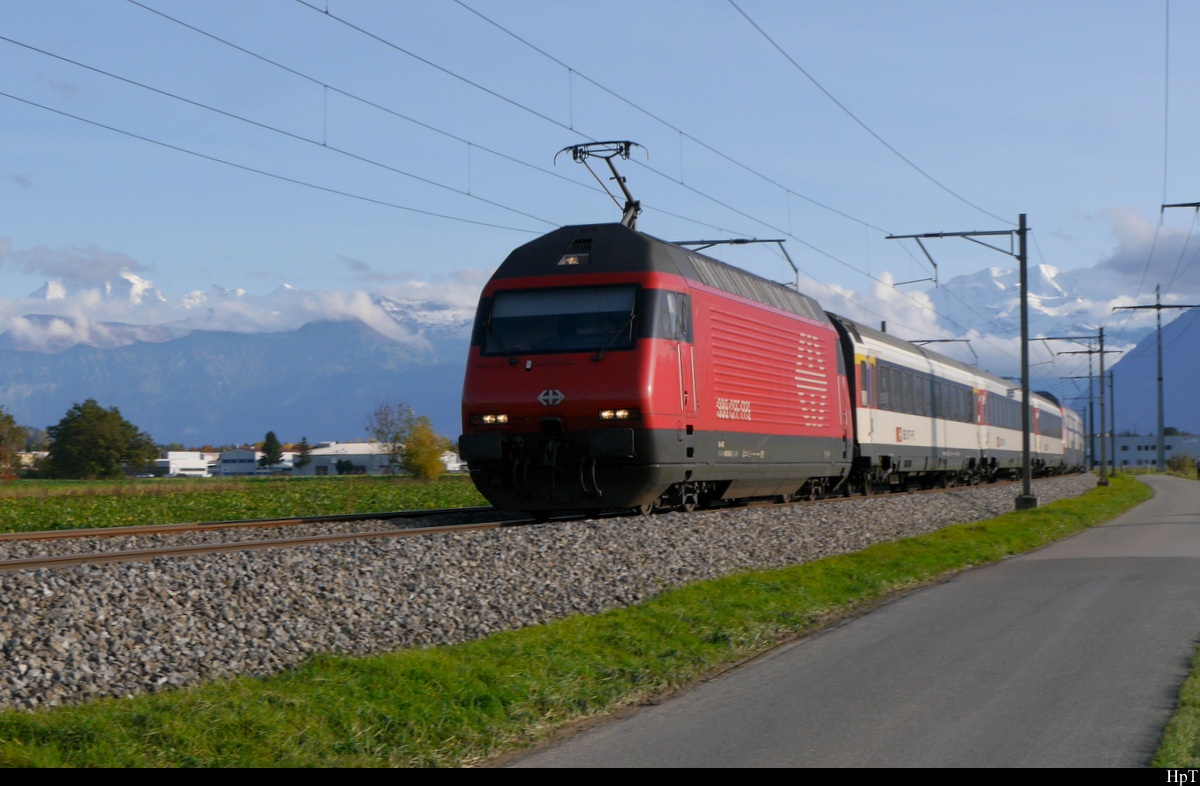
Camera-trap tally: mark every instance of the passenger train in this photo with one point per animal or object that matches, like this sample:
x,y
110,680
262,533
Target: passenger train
x,y
609,369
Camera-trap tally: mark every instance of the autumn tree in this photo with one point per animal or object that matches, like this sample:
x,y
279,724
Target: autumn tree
x,y
12,442
92,442
423,449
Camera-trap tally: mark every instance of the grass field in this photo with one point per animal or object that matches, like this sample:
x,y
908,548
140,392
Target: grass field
x,y
27,506
459,705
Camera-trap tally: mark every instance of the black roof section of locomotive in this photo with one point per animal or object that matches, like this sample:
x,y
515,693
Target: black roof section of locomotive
x,y
615,248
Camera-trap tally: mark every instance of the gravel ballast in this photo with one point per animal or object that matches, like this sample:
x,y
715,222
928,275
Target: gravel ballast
x,y
123,629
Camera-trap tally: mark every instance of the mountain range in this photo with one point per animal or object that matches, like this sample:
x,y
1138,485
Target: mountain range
x,y
222,366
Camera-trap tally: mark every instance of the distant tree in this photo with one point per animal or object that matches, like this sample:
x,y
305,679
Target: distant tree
x,y
1171,431
423,449
272,451
36,438
93,442
171,447
344,467
12,442
387,425
305,454
408,440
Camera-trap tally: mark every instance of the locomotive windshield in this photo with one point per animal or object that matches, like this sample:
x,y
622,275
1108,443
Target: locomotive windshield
x,y
595,319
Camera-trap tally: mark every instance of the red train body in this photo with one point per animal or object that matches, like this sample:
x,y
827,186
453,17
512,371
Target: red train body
x,y
609,369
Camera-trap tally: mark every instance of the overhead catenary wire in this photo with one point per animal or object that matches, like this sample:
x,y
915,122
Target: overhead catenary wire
x,y
397,114
862,124
263,172
274,129
682,134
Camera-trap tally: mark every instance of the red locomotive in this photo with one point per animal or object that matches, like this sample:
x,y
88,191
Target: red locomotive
x,y
610,369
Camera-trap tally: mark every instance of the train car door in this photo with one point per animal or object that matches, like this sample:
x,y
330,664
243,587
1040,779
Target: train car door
x,y
675,325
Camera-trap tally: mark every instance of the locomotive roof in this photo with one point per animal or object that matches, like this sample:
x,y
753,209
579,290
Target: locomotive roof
x,y
615,248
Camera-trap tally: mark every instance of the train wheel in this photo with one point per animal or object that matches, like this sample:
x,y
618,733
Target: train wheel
x,y
689,498
646,509
865,488
784,499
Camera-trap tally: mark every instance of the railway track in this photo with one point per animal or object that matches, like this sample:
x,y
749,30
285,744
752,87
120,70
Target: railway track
x,y
97,546
61,548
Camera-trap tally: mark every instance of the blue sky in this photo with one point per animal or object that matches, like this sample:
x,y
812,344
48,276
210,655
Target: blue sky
x,y
1056,109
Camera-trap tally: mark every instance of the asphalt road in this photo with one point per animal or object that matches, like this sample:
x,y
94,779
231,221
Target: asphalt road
x,y
1071,655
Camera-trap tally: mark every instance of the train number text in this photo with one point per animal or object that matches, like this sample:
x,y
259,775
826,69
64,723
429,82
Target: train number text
x,y
733,409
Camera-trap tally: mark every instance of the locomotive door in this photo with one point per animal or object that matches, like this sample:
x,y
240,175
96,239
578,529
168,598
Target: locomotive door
x,y
687,379
677,327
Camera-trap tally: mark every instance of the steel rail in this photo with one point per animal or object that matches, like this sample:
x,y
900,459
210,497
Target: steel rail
x,y
135,555
155,529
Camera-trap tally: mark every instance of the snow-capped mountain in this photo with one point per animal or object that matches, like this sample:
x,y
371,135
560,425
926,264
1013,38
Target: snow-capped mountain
x,y
128,287
990,301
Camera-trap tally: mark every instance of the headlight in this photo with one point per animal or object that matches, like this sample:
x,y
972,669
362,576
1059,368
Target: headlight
x,y
620,414
489,420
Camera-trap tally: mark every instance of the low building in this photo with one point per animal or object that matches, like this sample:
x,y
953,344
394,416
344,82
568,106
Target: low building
x,y
187,464
243,461
357,458
453,462
1134,452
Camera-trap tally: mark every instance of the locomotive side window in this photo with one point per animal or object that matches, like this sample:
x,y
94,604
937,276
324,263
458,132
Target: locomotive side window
x,y
675,317
561,320
665,314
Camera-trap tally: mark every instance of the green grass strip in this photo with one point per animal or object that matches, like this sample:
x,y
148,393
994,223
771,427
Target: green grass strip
x,y
81,504
450,706
1180,745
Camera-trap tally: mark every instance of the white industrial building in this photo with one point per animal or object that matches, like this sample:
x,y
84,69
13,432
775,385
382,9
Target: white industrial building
x,y
186,464
366,458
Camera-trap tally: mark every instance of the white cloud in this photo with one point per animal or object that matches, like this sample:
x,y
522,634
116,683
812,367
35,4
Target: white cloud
x,y
89,264
128,308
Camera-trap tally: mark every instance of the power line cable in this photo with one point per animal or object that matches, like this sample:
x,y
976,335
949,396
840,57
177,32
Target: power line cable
x,y
1166,137
358,98
263,172
863,125
274,129
400,115
683,134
